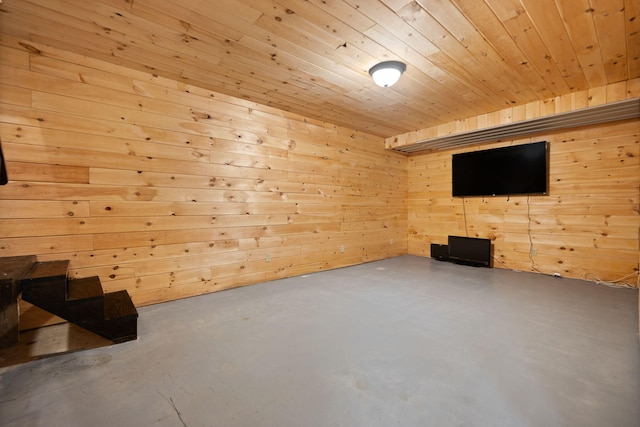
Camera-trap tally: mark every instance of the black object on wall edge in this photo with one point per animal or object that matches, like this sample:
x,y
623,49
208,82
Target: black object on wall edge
x,y
3,169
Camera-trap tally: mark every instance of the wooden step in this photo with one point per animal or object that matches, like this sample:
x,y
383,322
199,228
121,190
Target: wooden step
x,y
118,305
47,270
86,288
15,267
12,269
85,300
120,321
81,301
45,285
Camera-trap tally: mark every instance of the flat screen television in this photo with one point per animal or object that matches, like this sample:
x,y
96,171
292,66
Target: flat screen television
x,y
506,171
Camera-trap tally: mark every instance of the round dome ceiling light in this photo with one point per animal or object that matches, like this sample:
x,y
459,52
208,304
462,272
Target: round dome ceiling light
x,y
387,73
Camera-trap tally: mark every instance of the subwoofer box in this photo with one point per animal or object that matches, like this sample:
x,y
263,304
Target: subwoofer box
x,y
440,252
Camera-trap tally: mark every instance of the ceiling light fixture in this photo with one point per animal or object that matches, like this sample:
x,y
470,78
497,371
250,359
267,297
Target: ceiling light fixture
x,y
387,73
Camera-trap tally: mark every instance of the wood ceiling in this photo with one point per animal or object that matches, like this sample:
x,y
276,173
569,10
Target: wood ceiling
x,y
464,57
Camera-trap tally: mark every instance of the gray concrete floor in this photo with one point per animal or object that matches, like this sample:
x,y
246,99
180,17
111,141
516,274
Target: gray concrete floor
x,y
406,341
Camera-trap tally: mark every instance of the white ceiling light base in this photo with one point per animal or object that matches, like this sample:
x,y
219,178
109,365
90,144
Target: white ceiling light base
x,y
387,73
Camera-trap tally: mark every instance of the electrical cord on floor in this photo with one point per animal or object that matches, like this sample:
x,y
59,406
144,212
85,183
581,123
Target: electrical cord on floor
x,y
533,264
464,215
618,283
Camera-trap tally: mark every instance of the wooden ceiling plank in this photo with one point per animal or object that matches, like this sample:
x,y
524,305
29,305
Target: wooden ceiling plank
x,y
297,22
520,27
354,50
609,20
230,47
419,19
253,52
632,26
578,20
345,13
176,16
124,58
234,13
382,15
100,19
491,28
457,61
452,22
301,102
24,26
198,47
548,23
225,44
323,34
247,90
359,98
113,45
244,77
301,47
234,78
119,4
79,73
421,79
434,78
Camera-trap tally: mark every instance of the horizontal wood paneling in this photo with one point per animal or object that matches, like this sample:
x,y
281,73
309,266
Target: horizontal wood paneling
x,y
587,227
170,190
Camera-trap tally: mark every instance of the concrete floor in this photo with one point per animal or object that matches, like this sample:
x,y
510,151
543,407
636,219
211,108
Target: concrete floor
x,y
407,341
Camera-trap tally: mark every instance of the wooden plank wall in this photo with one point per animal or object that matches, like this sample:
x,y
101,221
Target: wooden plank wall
x,y
586,227
170,191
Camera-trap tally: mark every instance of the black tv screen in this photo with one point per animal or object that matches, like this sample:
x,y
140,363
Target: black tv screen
x,y
514,170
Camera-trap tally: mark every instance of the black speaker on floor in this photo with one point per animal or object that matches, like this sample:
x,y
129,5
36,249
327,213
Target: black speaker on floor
x,y
440,252
470,251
